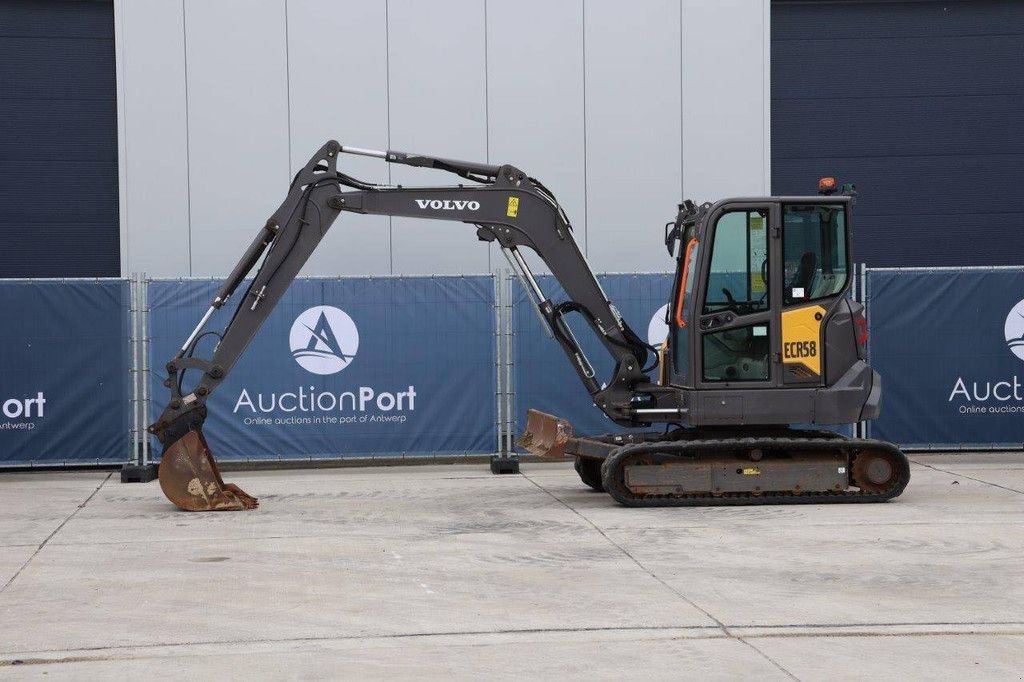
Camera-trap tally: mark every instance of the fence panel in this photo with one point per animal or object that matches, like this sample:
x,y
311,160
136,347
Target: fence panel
x,y
65,384
949,344
346,367
421,377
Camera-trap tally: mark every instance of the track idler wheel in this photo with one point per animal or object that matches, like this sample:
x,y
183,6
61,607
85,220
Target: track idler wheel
x,y
874,471
190,479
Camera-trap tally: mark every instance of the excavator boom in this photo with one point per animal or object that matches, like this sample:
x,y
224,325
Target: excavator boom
x,y
507,207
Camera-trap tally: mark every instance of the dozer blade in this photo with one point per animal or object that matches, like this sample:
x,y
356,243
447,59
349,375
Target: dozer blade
x,y
546,435
190,479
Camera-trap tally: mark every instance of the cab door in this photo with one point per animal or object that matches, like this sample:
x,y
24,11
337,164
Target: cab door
x,y
815,268
737,315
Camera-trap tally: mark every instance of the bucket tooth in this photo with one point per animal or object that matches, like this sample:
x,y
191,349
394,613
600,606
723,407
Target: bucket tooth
x,y
546,435
191,480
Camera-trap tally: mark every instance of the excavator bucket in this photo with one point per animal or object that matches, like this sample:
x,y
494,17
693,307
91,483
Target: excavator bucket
x,y
190,479
546,435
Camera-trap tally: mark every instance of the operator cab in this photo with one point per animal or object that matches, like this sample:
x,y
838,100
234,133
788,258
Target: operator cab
x,y
760,284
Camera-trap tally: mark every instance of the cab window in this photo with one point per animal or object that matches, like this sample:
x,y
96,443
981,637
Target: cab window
x,y
737,354
814,252
683,308
738,277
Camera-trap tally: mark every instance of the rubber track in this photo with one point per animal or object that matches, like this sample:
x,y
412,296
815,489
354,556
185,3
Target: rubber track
x,y
612,472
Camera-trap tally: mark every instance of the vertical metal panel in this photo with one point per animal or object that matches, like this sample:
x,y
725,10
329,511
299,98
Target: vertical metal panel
x,y
535,96
632,131
237,125
438,106
725,99
134,336
499,360
337,89
122,193
155,211
58,129
510,389
145,368
924,116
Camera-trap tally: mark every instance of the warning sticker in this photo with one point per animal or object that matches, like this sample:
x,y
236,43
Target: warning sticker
x,y
758,253
513,207
757,283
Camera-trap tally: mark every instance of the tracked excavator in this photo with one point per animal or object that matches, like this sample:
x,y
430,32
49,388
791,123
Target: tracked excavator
x,y
762,336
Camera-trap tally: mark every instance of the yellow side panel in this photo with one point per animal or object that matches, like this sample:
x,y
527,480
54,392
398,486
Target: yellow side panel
x,y
801,337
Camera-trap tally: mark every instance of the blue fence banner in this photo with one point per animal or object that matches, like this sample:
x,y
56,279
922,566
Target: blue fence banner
x,y
949,345
348,367
65,380
544,378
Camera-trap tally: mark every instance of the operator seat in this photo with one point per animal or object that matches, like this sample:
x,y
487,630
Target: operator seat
x,y
804,276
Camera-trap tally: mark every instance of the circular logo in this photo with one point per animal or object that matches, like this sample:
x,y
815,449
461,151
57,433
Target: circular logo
x,y
324,340
657,330
1014,330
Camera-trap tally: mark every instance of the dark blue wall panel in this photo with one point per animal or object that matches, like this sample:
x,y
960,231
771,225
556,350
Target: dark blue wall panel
x,y
58,140
919,104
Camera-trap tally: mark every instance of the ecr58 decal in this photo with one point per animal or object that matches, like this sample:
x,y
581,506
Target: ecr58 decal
x,y
801,337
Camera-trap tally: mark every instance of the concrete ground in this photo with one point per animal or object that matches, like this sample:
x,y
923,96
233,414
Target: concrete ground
x,y
446,571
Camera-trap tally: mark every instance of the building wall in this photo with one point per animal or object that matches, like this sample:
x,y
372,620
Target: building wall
x,y
622,109
918,103
58,140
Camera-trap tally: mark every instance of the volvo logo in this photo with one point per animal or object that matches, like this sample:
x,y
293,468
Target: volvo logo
x,y
324,340
448,205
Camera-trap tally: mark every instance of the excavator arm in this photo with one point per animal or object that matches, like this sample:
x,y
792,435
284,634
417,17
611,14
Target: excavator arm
x,y
507,207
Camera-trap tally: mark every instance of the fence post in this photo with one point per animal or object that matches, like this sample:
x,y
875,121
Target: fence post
x,y
133,348
506,461
864,426
510,389
144,375
138,469
499,369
